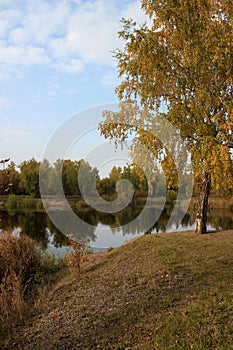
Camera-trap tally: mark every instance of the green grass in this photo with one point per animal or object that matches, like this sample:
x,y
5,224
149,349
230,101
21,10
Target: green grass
x,y
168,291
21,203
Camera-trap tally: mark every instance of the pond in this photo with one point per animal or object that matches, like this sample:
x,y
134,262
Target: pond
x,y
104,230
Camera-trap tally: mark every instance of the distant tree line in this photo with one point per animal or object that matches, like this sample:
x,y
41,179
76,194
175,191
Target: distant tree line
x,y
24,179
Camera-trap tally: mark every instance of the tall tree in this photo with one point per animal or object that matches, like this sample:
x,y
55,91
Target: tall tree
x,y
29,177
70,177
115,174
184,59
13,177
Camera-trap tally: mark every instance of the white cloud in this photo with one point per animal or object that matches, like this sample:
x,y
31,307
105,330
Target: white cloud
x,y
110,79
71,66
16,55
5,102
91,33
45,19
9,18
19,36
51,94
7,72
48,92
6,3
66,34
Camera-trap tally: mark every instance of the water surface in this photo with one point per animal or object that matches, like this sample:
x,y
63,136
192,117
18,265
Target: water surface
x,y
105,230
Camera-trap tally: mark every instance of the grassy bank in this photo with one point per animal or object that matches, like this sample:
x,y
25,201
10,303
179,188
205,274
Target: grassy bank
x,y
168,291
20,203
215,203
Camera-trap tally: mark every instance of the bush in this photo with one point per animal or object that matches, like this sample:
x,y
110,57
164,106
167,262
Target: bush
x,y
40,205
22,270
19,262
171,195
22,203
28,203
12,202
77,256
19,256
81,205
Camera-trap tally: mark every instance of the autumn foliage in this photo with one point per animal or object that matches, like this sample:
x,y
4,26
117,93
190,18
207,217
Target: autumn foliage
x,y
182,62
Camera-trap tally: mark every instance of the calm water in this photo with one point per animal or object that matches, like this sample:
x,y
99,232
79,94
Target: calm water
x,y
104,230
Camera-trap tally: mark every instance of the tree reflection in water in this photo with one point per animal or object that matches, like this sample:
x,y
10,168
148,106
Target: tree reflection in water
x,y
38,226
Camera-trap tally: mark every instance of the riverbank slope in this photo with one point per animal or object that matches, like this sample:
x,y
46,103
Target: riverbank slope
x,y
167,291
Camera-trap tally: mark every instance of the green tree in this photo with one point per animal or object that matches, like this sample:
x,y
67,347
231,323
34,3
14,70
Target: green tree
x,y
48,177
13,177
115,174
184,60
88,178
135,175
29,177
107,187
70,177
69,174
3,181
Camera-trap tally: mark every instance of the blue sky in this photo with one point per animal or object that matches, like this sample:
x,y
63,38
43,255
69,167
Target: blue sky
x,y
55,60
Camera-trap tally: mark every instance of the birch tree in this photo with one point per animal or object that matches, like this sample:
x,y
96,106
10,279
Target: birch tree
x,y
184,60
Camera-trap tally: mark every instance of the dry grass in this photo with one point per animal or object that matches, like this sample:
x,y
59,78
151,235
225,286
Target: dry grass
x,y
19,261
22,270
77,256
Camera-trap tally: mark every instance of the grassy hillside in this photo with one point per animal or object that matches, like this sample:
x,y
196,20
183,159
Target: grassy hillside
x,y
168,291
